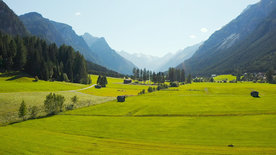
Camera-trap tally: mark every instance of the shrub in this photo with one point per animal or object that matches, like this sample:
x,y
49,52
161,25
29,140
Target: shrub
x,y
36,79
65,77
162,86
70,107
53,103
174,84
150,89
142,92
75,99
34,111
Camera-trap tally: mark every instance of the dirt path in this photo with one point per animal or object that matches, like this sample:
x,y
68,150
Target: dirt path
x,y
79,89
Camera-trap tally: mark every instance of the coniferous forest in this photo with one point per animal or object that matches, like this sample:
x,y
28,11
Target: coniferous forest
x,y
38,58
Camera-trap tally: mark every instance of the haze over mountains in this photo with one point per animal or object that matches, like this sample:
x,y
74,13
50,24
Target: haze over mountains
x,y
246,44
156,63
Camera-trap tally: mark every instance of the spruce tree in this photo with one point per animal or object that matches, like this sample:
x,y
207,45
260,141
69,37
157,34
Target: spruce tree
x,y
22,112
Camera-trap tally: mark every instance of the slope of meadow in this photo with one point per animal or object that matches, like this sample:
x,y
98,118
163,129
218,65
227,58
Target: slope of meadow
x,y
17,87
200,118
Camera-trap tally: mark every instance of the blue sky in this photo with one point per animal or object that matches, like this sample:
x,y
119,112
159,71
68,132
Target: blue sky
x,y
153,27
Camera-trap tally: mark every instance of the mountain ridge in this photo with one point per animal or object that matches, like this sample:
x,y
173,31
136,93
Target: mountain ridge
x,y
219,43
107,56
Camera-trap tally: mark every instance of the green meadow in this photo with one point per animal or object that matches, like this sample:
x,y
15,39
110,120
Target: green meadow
x,y
18,87
198,118
227,77
115,87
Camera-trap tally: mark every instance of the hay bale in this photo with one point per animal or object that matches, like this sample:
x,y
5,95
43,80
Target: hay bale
x,y
121,98
254,94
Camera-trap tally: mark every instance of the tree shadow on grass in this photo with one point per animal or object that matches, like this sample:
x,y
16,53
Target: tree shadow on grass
x,y
14,75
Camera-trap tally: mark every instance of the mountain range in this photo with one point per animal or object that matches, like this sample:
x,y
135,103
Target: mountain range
x,y
156,63
107,56
98,52
246,44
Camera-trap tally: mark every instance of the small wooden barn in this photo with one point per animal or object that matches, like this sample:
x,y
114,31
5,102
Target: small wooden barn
x,y
254,94
127,81
121,98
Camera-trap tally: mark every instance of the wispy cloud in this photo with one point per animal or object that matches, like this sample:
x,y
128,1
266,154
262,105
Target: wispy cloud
x,y
77,13
192,36
204,30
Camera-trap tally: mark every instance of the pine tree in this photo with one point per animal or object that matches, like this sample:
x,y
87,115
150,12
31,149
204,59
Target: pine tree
x,y
22,112
189,79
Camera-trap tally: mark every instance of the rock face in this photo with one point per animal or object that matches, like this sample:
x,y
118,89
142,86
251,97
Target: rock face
x,y
254,94
235,45
9,22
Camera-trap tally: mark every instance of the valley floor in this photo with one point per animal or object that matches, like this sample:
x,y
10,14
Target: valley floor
x,y
200,118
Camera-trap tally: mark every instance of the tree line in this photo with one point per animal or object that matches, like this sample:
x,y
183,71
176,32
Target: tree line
x,y
176,75
46,61
144,75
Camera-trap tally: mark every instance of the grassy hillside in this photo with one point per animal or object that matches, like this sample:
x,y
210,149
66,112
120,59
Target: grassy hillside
x,y
201,118
18,82
17,87
115,87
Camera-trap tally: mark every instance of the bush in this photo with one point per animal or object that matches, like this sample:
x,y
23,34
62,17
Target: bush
x,y
36,79
150,89
74,99
162,86
174,84
34,111
53,103
142,92
70,107
65,77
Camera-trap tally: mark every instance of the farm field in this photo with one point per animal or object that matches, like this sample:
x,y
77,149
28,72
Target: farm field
x,y
199,118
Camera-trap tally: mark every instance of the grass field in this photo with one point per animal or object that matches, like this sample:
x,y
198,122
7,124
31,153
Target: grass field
x,y
227,77
21,83
115,87
18,87
200,118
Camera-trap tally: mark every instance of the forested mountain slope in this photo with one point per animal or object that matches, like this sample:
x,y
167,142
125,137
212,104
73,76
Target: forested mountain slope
x,y
9,22
58,33
232,41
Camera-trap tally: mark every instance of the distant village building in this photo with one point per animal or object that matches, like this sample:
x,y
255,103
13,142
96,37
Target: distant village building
x,y
214,75
127,81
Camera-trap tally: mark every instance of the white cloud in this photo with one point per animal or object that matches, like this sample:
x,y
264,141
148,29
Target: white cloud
x,y
204,30
77,13
192,36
